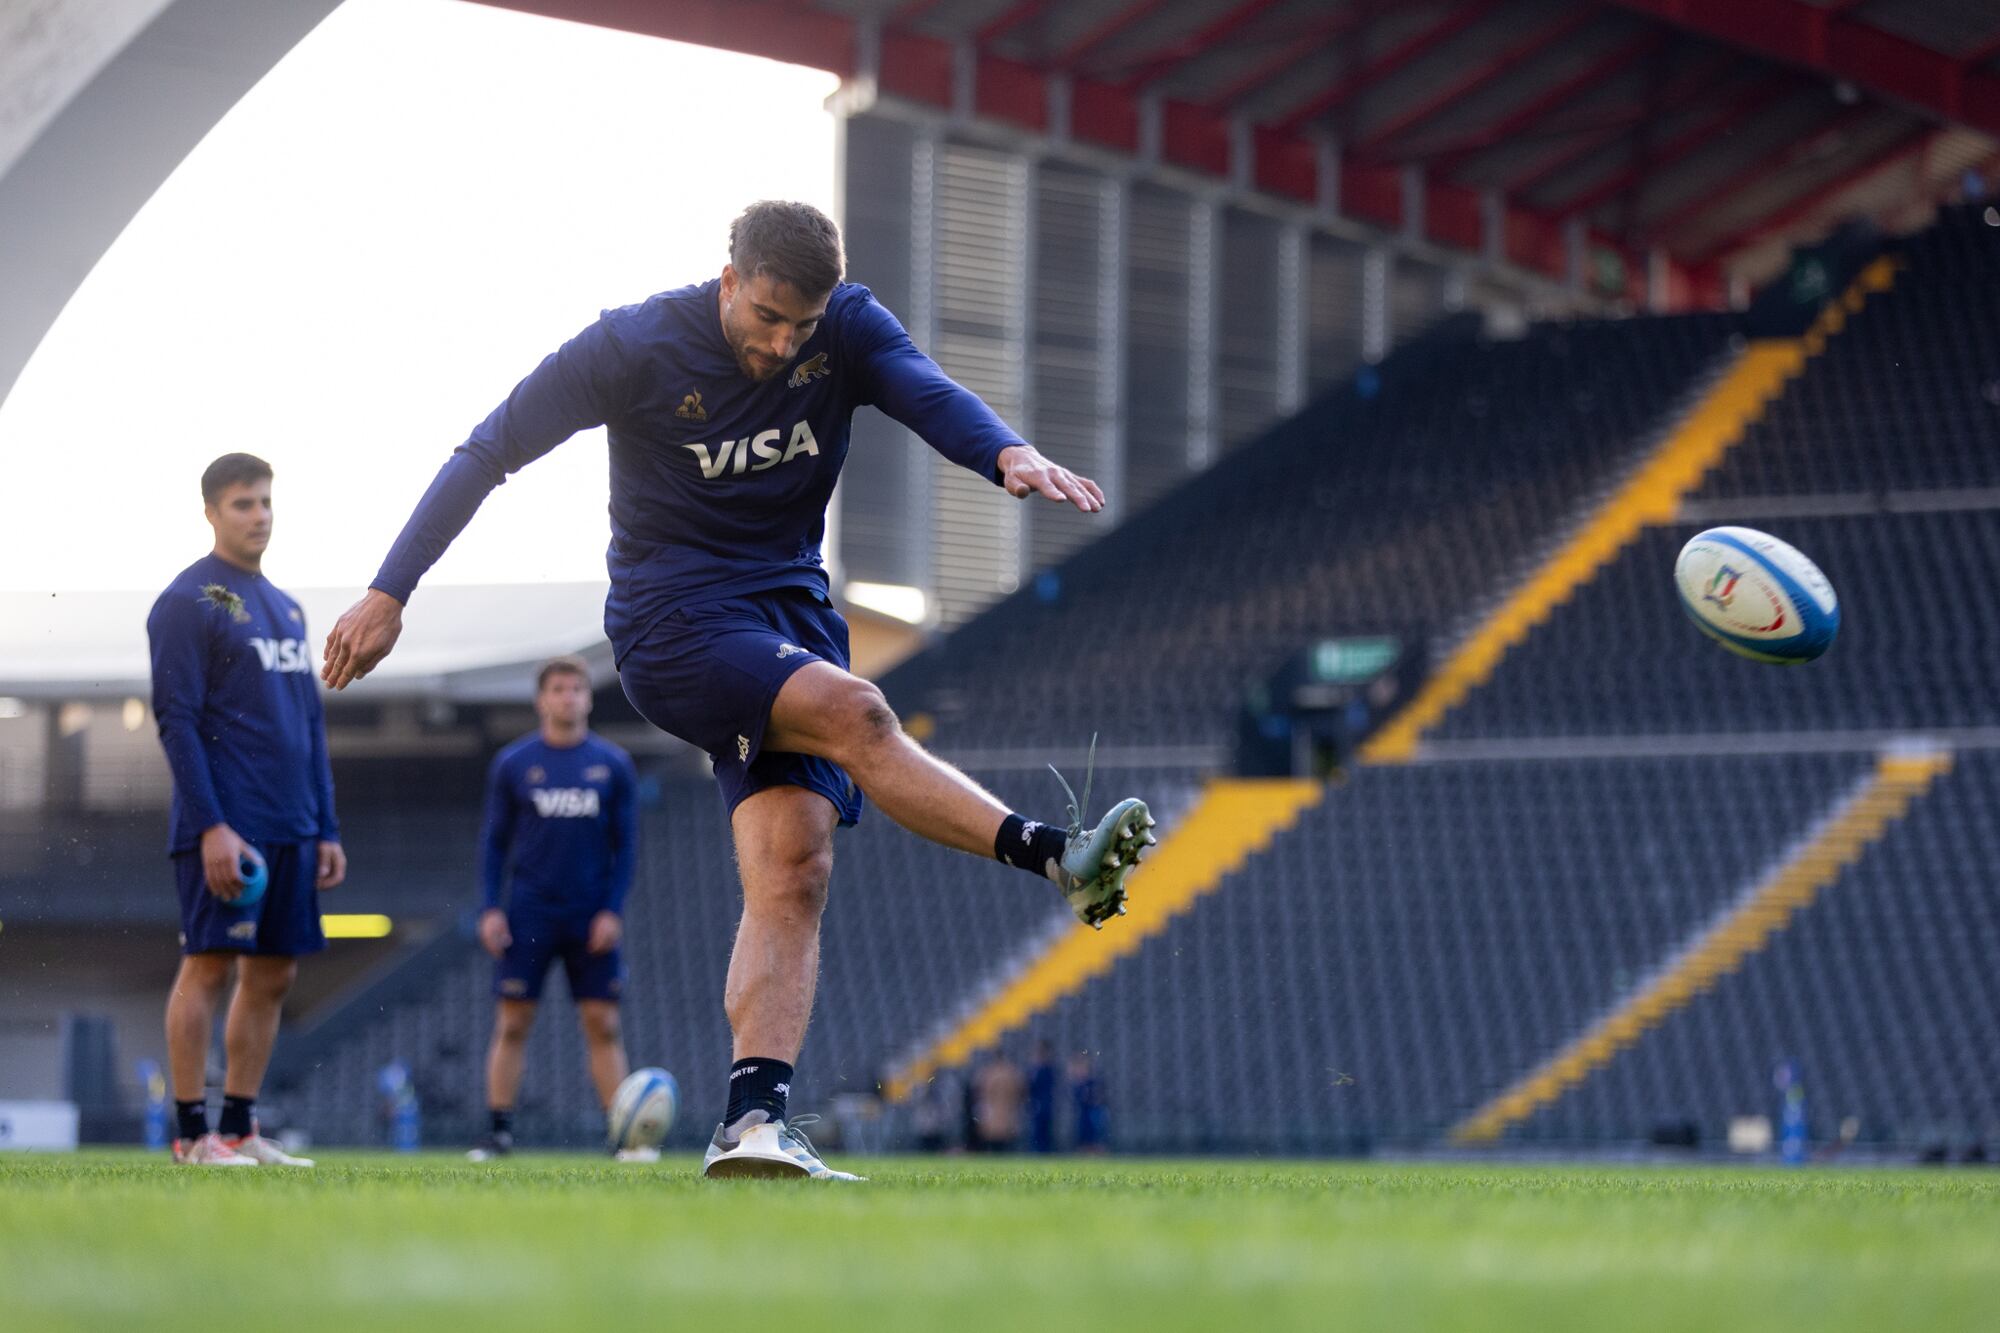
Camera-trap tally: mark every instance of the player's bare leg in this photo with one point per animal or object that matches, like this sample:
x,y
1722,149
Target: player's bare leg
x,y
604,1043
248,1034
252,1027
191,1007
507,1053
824,711
784,855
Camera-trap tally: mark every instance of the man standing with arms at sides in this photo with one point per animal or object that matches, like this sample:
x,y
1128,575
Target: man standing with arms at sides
x,y
245,735
559,802
728,404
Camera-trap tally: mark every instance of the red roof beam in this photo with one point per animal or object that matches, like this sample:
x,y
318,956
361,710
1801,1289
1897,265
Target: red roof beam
x,y
1750,102
1008,19
1592,138
1892,68
1551,97
1376,70
1760,167
1476,75
1198,43
1070,56
1804,205
1315,36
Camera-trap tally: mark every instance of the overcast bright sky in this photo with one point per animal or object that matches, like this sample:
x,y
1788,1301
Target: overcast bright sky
x,y
416,205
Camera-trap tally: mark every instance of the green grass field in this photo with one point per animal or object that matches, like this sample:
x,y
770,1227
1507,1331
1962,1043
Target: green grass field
x,y
116,1240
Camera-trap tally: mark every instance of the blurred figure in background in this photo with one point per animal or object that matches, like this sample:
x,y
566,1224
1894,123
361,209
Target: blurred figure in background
x,y
1093,1128
999,1091
1044,1088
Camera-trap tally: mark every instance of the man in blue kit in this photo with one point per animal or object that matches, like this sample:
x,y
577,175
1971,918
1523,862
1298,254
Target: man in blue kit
x,y
245,736
560,807
728,404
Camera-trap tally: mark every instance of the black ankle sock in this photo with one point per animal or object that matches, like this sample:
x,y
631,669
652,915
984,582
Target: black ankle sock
x,y
1027,845
239,1117
503,1122
193,1118
757,1084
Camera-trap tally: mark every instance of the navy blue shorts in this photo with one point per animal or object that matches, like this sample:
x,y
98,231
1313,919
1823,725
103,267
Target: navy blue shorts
x,y
283,923
710,673
540,939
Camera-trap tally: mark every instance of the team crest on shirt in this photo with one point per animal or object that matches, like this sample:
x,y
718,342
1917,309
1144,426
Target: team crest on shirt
x,y
537,775
808,371
222,599
691,408
597,773
297,619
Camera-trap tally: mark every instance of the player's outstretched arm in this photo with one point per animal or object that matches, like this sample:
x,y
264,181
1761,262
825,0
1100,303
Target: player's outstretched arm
x,y
361,638
1024,472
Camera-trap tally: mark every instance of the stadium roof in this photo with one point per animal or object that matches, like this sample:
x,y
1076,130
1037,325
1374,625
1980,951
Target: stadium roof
x,y
1713,132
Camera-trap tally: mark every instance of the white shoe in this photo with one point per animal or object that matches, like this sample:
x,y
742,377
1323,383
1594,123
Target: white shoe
x,y
209,1150
773,1150
263,1151
644,1156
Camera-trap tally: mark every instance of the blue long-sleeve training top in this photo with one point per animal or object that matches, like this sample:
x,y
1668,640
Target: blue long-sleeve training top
x,y
567,819
719,484
238,705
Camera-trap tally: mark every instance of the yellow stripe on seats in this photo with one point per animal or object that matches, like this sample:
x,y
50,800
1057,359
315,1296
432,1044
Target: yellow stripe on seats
x,y
1234,818
1719,950
1652,495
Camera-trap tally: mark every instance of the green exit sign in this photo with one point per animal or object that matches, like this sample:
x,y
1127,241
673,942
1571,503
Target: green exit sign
x,y
1351,661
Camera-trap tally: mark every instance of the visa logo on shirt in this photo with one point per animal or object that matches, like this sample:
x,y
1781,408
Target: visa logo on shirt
x,y
282,654
764,445
564,802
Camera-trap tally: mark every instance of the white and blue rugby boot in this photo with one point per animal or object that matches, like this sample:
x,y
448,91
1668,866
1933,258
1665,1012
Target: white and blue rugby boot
x,y
774,1150
1096,861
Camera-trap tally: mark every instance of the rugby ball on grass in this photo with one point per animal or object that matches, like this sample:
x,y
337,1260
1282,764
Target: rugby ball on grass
x,y
1756,596
642,1110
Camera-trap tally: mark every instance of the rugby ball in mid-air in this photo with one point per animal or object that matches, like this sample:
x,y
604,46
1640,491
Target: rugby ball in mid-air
x,y
642,1110
1757,596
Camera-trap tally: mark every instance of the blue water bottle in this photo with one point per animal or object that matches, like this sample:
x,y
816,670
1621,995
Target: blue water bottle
x,y
1791,1115
155,1084
256,878
405,1119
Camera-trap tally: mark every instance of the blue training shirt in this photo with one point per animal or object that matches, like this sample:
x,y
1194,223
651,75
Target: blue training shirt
x,y
568,816
719,484
238,705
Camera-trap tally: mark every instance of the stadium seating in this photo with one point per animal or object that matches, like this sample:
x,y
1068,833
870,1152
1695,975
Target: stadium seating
x,y
1390,506
1422,936
1882,994
913,933
1428,934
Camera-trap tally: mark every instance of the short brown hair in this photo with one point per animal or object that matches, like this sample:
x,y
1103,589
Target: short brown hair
x,y
794,243
567,665
231,470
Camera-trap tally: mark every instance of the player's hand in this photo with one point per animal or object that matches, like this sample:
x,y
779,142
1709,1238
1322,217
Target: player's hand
x,y
606,930
332,866
222,861
1024,472
494,937
361,638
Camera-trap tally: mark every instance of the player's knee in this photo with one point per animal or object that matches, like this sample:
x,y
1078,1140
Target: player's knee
x,y
270,979
796,888
204,973
865,719
512,1029
600,1025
